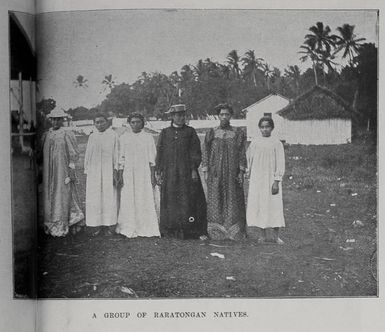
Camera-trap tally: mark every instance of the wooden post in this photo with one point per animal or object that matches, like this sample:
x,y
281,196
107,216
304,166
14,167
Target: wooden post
x,y
31,101
21,118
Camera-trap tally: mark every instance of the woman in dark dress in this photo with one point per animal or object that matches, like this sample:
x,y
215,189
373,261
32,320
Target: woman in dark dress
x,y
182,200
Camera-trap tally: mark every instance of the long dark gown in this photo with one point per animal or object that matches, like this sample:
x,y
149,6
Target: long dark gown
x,y
182,201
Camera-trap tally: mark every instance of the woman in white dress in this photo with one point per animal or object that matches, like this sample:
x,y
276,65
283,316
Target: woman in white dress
x,y
266,166
100,165
137,214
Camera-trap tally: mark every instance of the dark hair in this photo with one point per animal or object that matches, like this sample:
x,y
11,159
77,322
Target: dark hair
x,y
100,115
224,106
136,115
267,119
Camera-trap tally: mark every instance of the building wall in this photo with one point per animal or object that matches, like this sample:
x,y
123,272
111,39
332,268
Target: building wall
x,y
271,104
330,131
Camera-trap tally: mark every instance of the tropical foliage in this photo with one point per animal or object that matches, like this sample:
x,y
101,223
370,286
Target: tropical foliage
x,y
339,62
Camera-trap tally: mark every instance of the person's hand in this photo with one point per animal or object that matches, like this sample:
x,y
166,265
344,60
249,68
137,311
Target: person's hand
x,y
247,175
67,180
275,188
71,175
115,177
194,175
240,178
159,178
153,180
118,178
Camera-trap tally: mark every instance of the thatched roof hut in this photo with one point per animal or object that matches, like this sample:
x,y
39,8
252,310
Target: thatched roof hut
x,y
318,103
319,116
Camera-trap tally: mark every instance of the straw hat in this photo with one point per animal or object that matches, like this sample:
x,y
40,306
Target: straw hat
x,y
177,109
57,113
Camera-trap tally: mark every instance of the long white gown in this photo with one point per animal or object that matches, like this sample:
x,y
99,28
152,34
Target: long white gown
x,y
61,201
137,214
101,158
266,163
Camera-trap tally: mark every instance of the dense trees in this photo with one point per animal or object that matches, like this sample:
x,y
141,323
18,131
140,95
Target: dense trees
x,y
338,61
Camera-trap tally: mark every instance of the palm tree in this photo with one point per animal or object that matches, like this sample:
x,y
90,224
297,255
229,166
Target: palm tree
x,y
225,70
318,48
212,68
176,80
320,39
251,65
348,43
80,82
326,61
200,69
293,73
108,81
268,72
313,56
233,61
186,73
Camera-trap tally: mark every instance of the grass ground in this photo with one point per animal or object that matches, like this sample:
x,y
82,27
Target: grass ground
x,y
326,190
24,204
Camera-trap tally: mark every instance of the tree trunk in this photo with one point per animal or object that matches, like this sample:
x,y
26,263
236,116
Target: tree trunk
x,y
315,74
255,81
355,98
268,84
355,117
324,77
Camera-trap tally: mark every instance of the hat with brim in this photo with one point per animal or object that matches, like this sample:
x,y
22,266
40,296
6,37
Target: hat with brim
x,y
177,109
57,113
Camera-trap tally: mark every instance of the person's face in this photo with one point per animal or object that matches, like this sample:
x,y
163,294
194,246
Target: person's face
x,y
179,118
101,124
57,123
265,129
224,117
136,125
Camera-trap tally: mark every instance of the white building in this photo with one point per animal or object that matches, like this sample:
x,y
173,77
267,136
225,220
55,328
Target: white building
x,y
268,106
319,116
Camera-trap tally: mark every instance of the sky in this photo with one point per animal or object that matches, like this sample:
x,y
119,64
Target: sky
x,y
126,43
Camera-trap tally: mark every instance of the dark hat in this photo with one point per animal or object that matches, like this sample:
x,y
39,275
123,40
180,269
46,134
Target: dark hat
x,y
177,109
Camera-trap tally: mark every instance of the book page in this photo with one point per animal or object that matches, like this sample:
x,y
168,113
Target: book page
x,y
326,274
17,312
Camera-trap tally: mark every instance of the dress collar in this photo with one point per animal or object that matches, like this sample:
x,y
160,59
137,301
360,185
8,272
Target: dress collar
x,y
177,127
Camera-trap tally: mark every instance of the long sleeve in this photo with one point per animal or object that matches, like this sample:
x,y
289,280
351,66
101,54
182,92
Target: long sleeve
x,y
159,153
151,150
40,149
242,151
250,156
279,161
72,146
116,154
88,153
206,150
195,150
121,152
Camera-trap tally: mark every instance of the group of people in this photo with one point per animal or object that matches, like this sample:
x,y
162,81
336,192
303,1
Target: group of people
x,y
126,173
